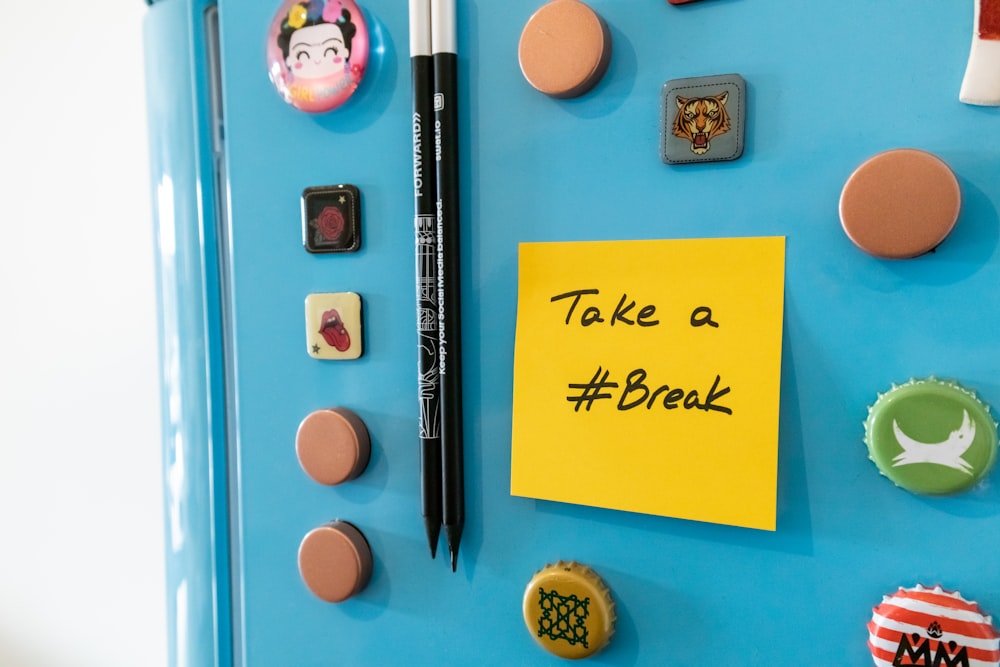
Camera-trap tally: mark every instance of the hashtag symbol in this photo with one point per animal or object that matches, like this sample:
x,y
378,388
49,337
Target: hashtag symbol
x,y
591,391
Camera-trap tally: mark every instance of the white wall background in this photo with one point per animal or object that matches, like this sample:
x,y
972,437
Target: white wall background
x,y
81,532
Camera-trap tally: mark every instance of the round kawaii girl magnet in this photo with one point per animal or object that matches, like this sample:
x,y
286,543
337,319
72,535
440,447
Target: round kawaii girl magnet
x,y
317,51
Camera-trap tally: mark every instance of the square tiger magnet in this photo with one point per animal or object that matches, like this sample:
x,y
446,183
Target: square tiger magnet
x,y
703,119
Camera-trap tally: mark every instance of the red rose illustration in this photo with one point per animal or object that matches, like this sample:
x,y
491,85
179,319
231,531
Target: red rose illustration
x,y
330,223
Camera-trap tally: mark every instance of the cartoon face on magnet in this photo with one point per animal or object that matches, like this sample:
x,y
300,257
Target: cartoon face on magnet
x,y
317,52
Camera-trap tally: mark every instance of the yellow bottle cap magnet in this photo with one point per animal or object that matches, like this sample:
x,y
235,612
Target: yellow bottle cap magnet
x,y
335,561
900,204
565,48
333,445
568,610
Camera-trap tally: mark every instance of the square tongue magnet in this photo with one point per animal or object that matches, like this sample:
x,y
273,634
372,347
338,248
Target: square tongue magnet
x,y
331,219
703,119
333,325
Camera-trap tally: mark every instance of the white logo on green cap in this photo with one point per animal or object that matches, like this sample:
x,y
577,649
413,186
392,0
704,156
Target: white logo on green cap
x,y
947,453
931,437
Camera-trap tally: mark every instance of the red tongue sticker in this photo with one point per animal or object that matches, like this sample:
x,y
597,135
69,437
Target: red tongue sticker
x,y
334,332
700,139
989,19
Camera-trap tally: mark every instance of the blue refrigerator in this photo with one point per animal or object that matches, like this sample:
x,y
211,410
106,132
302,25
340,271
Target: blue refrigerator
x,y
827,86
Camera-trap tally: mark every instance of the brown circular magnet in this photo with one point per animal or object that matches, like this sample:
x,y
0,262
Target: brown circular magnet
x,y
333,446
565,48
899,204
335,561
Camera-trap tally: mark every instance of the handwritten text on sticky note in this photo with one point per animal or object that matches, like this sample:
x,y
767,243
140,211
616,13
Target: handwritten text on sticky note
x,y
647,376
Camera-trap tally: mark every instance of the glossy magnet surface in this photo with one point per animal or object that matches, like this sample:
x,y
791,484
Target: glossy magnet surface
x,y
703,119
931,437
317,52
931,626
333,325
331,219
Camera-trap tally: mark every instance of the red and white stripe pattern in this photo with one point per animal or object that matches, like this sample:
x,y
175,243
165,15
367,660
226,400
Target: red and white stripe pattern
x,y
988,19
981,84
937,617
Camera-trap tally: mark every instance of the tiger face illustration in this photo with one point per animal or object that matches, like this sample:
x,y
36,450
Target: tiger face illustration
x,y
700,119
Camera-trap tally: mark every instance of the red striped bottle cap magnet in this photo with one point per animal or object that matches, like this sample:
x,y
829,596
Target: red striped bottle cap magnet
x,y
931,626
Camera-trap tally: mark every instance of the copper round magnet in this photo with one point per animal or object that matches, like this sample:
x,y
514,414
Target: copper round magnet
x,y
565,48
333,446
335,561
900,204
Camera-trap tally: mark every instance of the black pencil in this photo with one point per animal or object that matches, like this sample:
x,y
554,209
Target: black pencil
x,y
445,55
425,230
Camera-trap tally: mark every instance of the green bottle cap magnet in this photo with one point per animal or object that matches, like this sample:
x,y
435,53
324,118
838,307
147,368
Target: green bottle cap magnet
x,y
931,437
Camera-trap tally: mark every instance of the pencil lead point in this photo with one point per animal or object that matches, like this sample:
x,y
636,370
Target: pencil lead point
x,y
453,533
433,531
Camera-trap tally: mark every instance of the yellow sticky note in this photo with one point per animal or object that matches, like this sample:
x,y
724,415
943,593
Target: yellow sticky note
x,y
647,376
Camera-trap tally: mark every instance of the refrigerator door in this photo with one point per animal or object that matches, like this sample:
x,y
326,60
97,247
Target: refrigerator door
x,y
186,170
828,85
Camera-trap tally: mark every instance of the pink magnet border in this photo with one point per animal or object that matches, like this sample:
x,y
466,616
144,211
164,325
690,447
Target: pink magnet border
x,y
317,52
